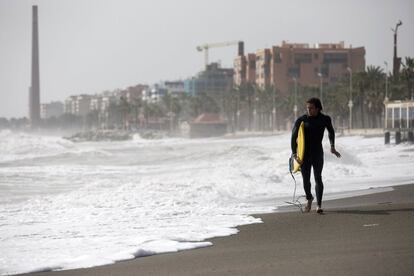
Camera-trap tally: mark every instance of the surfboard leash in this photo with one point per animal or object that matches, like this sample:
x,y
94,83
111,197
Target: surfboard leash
x,y
295,200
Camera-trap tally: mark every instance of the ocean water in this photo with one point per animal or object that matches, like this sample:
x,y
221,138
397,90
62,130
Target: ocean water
x,y
69,205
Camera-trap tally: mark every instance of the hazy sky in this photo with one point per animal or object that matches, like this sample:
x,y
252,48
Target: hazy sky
x,y
88,46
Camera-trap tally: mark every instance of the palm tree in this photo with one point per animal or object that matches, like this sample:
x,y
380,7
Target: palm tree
x,y
183,106
203,103
125,109
374,96
173,108
136,107
359,98
92,119
246,99
113,115
267,101
257,107
231,107
408,76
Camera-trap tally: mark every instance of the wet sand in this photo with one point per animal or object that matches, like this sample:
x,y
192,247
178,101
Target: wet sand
x,y
363,235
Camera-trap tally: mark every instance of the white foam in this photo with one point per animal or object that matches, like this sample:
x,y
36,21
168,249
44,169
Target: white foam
x,y
80,205
17,146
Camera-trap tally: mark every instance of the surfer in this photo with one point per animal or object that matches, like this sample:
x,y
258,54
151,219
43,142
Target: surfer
x,y
315,123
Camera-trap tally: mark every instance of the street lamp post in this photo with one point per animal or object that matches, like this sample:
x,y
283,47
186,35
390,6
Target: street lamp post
x,y
386,81
321,86
386,94
397,60
255,111
238,112
295,107
350,103
171,113
274,109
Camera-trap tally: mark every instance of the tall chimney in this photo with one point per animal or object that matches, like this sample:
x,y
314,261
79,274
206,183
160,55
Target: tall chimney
x,y
34,90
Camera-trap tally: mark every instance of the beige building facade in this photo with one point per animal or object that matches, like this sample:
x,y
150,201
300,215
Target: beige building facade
x,y
310,65
78,105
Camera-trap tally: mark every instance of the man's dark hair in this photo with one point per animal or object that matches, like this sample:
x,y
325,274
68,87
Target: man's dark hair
x,y
316,102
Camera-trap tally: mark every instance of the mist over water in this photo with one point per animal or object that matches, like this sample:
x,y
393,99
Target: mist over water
x,y
66,205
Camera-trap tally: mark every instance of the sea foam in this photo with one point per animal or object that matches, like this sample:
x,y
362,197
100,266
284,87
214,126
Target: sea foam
x,y
68,205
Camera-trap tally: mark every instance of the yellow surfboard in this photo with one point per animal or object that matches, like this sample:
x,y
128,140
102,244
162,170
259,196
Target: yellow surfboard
x,y
300,151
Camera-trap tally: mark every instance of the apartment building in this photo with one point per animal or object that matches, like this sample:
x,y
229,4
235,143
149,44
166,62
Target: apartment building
x,y
69,105
96,103
154,93
213,80
251,68
78,105
133,93
174,88
263,58
49,110
240,70
327,62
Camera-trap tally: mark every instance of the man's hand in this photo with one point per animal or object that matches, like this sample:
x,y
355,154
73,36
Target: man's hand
x,y
297,159
333,151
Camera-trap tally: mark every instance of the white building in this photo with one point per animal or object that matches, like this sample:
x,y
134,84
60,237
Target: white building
x,y
154,93
399,115
78,105
49,110
174,88
69,106
135,93
106,101
96,103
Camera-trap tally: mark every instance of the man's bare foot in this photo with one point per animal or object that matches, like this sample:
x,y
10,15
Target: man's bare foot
x,y
319,210
308,206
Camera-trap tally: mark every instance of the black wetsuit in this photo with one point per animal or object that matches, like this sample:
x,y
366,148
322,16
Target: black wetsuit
x,y
314,130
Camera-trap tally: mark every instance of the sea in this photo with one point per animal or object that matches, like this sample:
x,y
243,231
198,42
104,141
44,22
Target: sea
x,y
66,205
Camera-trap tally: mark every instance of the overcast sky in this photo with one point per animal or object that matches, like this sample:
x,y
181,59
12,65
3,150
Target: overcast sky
x,y
88,46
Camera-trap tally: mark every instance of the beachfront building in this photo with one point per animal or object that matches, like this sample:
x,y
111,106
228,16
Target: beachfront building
x,y
399,118
399,115
69,105
263,58
78,105
174,88
133,94
154,93
240,70
107,101
309,65
208,125
213,80
251,68
96,103
49,110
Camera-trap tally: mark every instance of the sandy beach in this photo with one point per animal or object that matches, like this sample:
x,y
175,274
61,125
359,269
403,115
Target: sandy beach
x,y
363,235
